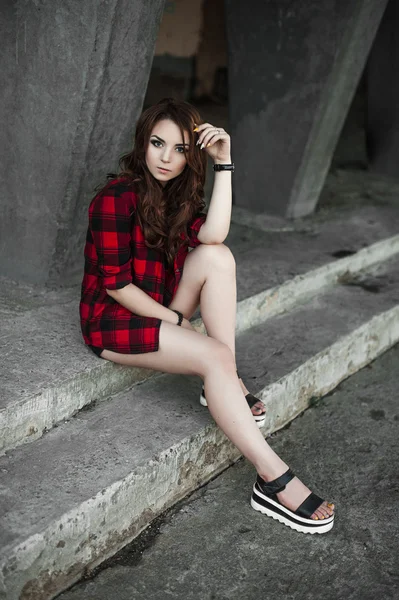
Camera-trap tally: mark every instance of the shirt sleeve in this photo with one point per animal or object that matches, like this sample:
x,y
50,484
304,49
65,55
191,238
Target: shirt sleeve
x,y
193,229
110,222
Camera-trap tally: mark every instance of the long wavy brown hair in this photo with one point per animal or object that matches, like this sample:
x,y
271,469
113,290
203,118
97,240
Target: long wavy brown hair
x,y
164,212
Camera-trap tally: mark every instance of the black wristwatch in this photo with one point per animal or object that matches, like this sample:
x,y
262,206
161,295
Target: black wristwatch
x,y
180,315
229,167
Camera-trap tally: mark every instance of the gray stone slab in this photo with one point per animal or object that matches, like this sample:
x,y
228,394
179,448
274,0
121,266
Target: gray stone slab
x,y
216,546
288,340
90,476
284,254
293,70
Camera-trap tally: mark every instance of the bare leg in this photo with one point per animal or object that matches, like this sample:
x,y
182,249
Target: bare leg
x,y
188,352
209,279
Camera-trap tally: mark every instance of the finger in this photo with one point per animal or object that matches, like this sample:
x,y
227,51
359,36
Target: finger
x,y
201,127
210,139
202,134
212,133
207,131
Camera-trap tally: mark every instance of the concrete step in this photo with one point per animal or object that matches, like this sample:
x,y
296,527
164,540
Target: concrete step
x,y
88,487
47,374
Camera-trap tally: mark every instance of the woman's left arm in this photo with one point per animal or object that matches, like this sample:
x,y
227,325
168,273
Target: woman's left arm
x,y
217,145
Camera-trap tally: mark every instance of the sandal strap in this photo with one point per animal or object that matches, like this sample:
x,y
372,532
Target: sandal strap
x,y
309,505
252,400
277,485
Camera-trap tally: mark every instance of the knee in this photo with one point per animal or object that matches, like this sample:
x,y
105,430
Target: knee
x,y
221,356
219,256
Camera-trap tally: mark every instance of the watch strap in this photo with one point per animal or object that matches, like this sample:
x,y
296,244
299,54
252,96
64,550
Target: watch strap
x,y
226,167
180,315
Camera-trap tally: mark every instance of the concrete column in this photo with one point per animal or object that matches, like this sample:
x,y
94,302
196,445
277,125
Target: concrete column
x,y
293,69
383,95
74,75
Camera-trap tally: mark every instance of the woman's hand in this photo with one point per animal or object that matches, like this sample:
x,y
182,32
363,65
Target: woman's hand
x,y
215,141
187,325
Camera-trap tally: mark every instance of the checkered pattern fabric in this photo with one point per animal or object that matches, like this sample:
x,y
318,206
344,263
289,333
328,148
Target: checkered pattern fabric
x,y
116,255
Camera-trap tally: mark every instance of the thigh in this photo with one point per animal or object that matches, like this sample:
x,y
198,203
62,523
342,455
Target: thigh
x,y
180,351
187,296
198,265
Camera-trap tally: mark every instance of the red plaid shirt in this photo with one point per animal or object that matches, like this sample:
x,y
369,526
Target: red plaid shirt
x,y
116,255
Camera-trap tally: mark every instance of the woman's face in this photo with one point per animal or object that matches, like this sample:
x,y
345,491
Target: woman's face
x,y
165,150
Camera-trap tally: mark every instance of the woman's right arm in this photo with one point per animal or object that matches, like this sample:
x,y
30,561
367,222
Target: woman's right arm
x,y
140,303
110,222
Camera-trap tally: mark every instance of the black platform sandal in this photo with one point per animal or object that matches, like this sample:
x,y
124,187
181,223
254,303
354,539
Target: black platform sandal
x,y
252,400
264,499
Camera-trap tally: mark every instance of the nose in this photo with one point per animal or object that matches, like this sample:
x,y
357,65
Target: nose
x,y
165,156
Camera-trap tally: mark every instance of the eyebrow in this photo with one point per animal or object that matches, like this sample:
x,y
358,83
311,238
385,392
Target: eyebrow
x,y
161,140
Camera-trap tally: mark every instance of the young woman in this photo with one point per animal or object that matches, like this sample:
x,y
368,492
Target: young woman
x,y
141,286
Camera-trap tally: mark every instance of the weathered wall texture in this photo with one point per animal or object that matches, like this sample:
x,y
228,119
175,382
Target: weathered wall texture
x,y
293,70
383,95
74,75
74,78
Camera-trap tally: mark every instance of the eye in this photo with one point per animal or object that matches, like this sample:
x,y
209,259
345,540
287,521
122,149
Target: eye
x,y
155,142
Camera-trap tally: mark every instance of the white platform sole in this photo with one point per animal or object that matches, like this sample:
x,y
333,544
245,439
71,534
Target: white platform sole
x,y
285,516
259,420
203,401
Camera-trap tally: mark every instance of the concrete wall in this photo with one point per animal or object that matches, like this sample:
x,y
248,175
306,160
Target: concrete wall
x,y
351,148
73,79
293,70
75,74
383,95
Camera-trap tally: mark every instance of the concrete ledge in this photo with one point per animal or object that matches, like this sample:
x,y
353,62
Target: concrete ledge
x,y
27,419
292,394
57,557
282,298
58,549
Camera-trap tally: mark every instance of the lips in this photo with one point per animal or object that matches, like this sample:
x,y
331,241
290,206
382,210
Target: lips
x,y
162,169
